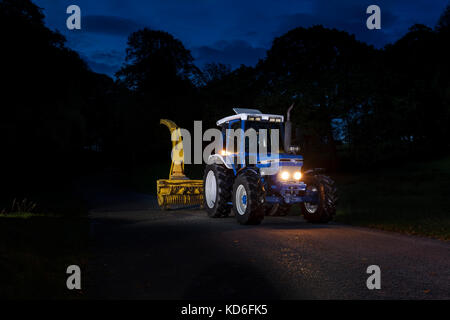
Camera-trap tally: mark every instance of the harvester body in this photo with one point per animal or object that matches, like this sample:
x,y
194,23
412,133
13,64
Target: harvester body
x,y
178,190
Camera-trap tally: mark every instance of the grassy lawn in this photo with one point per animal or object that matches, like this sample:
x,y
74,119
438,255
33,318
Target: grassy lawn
x,y
413,199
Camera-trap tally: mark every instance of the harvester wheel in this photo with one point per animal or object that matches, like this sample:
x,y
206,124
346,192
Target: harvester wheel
x,y
217,184
323,211
248,198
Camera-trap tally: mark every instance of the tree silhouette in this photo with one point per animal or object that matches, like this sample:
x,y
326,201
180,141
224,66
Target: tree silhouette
x,y
155,61
159,71
213,72
44,125
324,71
444,20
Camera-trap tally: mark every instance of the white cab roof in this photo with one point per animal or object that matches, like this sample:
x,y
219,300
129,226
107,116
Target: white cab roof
x,y
243,114
243,110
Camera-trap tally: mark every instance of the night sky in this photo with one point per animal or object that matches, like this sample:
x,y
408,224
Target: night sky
x,y
233,32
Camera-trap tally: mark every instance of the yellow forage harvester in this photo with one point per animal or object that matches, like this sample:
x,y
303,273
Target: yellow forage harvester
x,y
178,190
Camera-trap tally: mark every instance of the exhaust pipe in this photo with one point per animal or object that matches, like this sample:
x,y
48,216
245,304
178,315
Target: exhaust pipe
x,y
288,130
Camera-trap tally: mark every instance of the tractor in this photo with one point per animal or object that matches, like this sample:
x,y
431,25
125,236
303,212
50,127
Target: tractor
x,y
253,185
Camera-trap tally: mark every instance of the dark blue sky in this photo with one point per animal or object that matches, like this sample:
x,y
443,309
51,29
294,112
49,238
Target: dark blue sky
x,y
234,32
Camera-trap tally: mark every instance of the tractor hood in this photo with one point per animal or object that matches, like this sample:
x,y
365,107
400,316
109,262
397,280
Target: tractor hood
x,y
283,159
271,165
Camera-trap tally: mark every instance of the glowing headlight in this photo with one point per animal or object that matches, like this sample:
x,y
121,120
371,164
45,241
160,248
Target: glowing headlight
x,y
285,175
297,175
225,153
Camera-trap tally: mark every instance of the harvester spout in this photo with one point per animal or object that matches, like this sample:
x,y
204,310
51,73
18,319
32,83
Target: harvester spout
x,y
177,166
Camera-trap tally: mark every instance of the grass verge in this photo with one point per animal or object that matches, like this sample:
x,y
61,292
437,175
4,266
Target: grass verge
x,y
412,199
39,239
35,253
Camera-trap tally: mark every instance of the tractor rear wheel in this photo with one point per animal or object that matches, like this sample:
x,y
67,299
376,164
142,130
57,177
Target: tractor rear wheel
x,y
248,198
217,184
325,209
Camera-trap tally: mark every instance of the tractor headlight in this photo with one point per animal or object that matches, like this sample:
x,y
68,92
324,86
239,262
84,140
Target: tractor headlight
x,y
284,175
225,153
297,175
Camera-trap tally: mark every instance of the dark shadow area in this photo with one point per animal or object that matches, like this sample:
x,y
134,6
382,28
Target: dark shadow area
x,y
231,281
163,259
35,253
289,225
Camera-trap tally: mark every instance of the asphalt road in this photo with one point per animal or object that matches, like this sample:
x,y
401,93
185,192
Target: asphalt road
x,y
140,252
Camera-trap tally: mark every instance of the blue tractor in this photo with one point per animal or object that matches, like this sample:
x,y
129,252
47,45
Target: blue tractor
x,y
259,177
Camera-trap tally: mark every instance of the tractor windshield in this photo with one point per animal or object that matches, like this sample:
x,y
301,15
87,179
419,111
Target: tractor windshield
x,y
265,142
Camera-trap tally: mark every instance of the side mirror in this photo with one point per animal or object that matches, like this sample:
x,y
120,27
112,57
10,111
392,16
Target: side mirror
x,y
294,149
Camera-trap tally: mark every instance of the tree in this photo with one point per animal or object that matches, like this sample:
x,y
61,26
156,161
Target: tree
x,y
213,72
444,20
159,72
412,96
326,73
155,61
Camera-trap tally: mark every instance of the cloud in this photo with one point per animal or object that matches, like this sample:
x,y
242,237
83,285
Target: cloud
x,y
234,53
110,25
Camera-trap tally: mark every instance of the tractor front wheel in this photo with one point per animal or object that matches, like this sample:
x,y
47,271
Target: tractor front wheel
x,y
248,198
217,184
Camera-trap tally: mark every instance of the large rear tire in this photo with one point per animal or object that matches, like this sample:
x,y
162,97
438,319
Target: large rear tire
x,y
248,198
325,209
217,185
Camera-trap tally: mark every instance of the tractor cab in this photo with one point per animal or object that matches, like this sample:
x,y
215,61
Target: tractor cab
x,y
252,138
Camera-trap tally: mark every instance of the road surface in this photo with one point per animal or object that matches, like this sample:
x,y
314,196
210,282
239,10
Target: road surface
x,y
140,252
